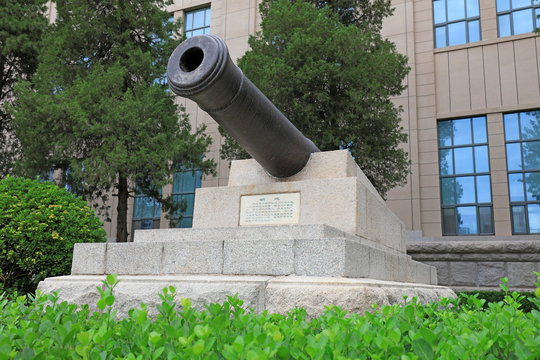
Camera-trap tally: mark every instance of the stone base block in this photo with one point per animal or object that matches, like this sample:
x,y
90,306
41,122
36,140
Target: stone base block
x,y
277,294
302,250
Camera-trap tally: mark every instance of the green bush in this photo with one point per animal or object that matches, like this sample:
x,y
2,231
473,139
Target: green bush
x,y
44,328
39,223
527,304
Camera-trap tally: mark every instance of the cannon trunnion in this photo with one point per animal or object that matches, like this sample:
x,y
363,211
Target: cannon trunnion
x,y
201,69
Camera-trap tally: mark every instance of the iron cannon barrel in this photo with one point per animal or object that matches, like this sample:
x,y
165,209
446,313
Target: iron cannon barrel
x,y
201,69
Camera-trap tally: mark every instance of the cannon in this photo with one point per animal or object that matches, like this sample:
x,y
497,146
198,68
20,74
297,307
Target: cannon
x,y
201,69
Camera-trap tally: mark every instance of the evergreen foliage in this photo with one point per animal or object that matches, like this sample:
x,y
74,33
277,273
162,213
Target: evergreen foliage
x,y
22,23
39,224
42,327
333,81
98,107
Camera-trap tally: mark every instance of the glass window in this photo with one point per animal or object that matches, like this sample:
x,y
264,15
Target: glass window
x,y
465,177
146,213
197,22
516,16
185,181
522,134
456,22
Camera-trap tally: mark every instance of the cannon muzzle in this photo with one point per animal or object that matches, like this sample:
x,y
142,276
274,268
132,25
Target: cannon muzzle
x,y
201,69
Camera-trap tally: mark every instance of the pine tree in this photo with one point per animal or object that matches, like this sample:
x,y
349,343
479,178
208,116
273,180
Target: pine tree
x,y
98,108
333,78
22,23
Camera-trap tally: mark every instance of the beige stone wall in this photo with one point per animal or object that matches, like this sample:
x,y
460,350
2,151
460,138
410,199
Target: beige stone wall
x,y
489,77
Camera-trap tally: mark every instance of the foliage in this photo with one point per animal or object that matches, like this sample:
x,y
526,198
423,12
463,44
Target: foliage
x,y
39,224
333,82
98,107
22,23
42,327
492,296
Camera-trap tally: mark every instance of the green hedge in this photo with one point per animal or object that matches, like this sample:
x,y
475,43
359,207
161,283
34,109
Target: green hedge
x,y
39,224
527,304
43,328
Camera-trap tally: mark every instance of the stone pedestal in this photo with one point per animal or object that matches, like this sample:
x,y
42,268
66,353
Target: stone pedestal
x,y
337,244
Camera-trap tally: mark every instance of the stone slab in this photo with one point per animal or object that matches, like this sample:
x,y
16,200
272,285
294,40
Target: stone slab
x,y
257,257
88,258
193,257
276,294
132,258
336,257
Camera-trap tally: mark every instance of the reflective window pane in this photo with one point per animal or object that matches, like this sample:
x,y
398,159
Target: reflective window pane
x,y
465,193
137,208
447,191
523,21
532,184
503,5
472,8
479,130
516,4
513,156
486,222
463,160
198,19
457,33
445,133
188,184
440,36
531,155
147,224
518,219
467,223
189,20
446,163
189,199
537,17
198,179
534,218
481,159
511,127
462,132
530,125
474,31
186,222
439,11
483,189
515,184
456,9
504,25
449,221
177,182
147,208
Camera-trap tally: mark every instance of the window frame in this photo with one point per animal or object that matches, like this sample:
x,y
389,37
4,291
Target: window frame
x,y
455,205
189,32
446,23
156,220
509,172
176,219
511,10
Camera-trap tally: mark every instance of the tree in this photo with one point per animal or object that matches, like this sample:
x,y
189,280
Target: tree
x,y
22,23
334,82
98,108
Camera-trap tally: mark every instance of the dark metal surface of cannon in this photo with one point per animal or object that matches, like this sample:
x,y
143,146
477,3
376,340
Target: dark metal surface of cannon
x,y
201,69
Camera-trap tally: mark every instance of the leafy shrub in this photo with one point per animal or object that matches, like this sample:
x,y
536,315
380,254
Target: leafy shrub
x,y
527,304
41,327
39,223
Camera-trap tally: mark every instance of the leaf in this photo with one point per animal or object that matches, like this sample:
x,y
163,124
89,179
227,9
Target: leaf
x,y
422,349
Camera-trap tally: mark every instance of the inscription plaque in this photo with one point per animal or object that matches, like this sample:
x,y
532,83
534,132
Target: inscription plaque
x,y
270,209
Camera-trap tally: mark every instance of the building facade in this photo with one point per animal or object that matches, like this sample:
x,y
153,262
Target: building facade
x,y
472,113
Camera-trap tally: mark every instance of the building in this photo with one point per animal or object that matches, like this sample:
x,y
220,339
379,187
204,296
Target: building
x,y
472,113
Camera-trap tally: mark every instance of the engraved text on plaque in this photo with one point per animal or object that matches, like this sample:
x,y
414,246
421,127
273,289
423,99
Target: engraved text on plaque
x,y
270,209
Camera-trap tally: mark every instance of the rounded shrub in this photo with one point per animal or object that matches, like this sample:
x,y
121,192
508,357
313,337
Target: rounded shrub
x,y
39,224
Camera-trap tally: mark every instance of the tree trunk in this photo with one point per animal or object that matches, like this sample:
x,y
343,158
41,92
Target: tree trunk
x,y
121,219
